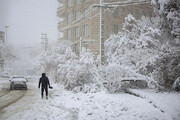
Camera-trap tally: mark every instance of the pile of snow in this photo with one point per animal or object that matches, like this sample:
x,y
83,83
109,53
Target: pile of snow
x,y
102,105
166,102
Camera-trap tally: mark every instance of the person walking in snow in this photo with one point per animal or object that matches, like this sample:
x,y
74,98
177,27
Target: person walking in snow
x,y
44,82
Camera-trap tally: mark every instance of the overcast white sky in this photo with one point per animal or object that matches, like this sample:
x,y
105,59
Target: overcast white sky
x,y
27,19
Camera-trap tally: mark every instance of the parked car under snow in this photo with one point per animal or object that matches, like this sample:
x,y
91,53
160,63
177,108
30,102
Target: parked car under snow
x,y
134,83
125,83
18,83
176,84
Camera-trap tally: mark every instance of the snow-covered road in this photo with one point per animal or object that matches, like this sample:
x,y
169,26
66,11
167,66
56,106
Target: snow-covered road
x,y
28,105
65,105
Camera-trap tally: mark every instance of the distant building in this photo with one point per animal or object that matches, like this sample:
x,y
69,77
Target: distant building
x,y
82,21
2,40
2,36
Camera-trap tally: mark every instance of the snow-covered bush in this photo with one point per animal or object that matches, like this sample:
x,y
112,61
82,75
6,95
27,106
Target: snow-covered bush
x,y
169,12
117,78
80,73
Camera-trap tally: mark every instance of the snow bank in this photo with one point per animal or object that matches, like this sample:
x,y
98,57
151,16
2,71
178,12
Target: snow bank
x,y
167,102
105,106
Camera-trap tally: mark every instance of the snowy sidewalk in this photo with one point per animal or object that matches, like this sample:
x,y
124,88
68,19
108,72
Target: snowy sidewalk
x,y
168,102
105,106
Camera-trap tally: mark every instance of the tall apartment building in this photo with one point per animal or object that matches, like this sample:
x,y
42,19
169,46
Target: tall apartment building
x,y
2,36
2,40
81,20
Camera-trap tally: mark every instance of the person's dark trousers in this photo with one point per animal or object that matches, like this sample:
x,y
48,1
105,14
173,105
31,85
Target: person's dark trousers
x,y
42,91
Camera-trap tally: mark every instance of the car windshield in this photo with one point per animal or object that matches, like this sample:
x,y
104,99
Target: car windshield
x,y
18,79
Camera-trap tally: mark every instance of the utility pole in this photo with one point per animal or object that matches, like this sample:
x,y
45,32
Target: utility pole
x,y
100,32
6,27
44,40
101,6
113,5
80,45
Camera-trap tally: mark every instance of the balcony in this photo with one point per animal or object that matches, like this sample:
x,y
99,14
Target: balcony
x,y
60,1
60,25
60,11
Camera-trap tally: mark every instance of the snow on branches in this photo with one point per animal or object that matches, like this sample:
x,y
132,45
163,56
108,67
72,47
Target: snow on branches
x,y
80,74
6,56
169,12
134,46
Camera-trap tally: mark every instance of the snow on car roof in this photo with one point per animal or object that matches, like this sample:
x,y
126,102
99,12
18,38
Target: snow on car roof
x,y
18,79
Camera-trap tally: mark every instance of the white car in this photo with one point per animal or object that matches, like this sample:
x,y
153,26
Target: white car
x,y
18,83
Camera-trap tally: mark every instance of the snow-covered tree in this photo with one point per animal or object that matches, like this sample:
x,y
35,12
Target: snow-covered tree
x,y
49,60
131,50
6,56
165,69
81,74
134,46
169,12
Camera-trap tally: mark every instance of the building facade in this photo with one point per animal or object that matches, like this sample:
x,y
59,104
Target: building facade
x,y
80,21
2,40
2,37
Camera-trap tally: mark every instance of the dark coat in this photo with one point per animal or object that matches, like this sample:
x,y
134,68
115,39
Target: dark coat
x,y
44,82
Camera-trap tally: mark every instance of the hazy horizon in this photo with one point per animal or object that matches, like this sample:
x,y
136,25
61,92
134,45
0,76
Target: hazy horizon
x,y
27,19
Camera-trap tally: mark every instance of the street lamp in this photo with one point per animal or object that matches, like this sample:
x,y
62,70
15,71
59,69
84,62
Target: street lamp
x,y
6,27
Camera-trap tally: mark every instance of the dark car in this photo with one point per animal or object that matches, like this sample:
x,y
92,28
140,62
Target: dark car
x,y
18,83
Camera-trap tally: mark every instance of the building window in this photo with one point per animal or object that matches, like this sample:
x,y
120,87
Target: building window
x,y
69,34
86,30
86,16
1,38
130,12
86,0
69,3
77,2
85,44
69,17
77,32
77,15
77,51
115,29
116,13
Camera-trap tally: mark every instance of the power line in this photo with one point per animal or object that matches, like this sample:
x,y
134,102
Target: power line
x,y
78,19
124,2
77,23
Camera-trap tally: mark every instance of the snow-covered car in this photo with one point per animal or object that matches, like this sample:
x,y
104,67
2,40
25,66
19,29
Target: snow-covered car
x,y
176,84
18,83
134,83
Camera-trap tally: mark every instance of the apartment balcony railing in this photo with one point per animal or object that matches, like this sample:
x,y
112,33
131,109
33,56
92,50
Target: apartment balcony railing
x,y
60,1
60,25
60,11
